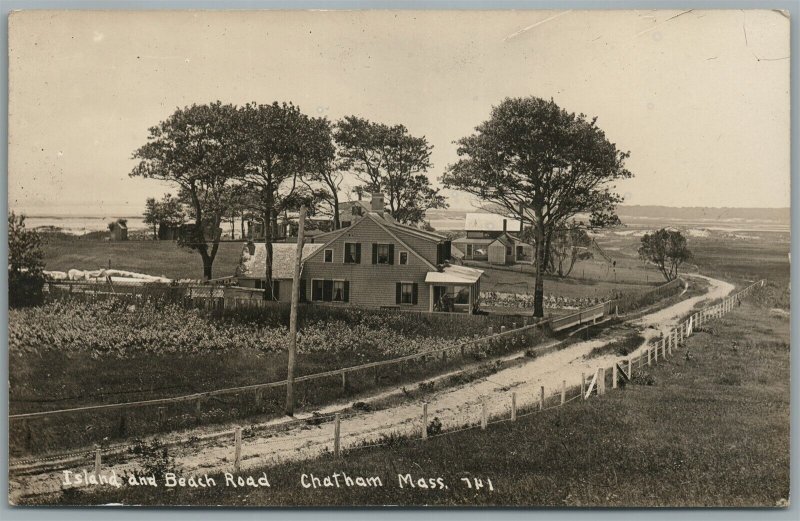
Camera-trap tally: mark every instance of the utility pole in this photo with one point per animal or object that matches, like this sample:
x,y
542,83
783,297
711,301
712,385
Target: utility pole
x,y
293,314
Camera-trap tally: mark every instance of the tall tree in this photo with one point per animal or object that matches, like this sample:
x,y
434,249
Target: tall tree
x,y
25,263
196,148
544,165
388,159
278,139
666,249
324,170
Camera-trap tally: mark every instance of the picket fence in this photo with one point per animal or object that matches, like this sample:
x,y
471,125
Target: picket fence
x,y
597,385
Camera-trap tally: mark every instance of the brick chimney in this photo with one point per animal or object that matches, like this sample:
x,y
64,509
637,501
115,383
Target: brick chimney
x,y
505,225
376,204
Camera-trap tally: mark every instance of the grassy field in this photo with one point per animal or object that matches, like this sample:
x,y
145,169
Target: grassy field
x,y
151,257
710,429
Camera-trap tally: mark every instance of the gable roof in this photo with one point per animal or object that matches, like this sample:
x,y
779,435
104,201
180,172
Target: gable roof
x,y
454,275
489,222
283,259
386,225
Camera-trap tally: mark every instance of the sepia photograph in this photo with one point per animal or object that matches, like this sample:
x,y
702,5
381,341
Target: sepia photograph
x,y
415,258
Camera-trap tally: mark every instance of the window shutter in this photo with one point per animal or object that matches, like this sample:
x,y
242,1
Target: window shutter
x,y
439,253
316,290
374,253
391,254
397,293
302,290
448,250
327,290
414,293
358,253
347,291
276,289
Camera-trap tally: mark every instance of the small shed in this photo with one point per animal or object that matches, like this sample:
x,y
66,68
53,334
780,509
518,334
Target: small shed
x,y
500,250
118,230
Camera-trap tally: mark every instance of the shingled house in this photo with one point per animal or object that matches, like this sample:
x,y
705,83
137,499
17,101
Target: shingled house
x,y
494,239
375,262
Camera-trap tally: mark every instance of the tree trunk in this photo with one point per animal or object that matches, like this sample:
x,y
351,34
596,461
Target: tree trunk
x,y
208,263
268,218
336,221
242,224
538,291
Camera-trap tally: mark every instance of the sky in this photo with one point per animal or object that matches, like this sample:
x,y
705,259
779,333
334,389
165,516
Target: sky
x,y
699,98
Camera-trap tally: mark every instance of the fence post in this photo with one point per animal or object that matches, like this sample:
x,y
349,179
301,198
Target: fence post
x,y
513,407
601,381
664,348
483,414
541,398
344,381
513,325
337,425
198,410
630,368
162,418
97,460
424,420
655,353
491,331
649,363
583,386
614,376
237,455
563,392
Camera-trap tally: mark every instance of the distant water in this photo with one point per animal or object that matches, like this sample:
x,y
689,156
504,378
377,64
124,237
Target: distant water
x,y
79,225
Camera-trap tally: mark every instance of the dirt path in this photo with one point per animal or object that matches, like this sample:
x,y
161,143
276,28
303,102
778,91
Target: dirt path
x,y
454,407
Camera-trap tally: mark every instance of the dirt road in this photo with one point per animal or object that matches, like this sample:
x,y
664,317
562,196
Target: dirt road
x,y
453,406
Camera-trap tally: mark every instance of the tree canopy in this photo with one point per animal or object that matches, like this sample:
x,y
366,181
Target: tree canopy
x,y
196,148
543,164
667,249
25,263
388,159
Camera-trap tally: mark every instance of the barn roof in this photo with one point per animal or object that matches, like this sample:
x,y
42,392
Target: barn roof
x,y
283,258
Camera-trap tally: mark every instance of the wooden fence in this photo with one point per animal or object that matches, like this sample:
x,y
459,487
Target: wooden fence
x,y
596,385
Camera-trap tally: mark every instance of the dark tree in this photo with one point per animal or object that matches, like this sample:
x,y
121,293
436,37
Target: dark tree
x,y
25,264
280,142
198,149
324,172
543,164
387,159
666,249
168,211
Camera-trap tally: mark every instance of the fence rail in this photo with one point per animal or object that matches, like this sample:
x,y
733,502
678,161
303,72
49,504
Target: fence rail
x,y
589,314
621,371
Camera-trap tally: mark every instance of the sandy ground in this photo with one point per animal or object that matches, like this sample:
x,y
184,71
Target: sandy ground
x,y
454,407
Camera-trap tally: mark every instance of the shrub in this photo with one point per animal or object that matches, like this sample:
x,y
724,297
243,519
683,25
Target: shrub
x,y
25,265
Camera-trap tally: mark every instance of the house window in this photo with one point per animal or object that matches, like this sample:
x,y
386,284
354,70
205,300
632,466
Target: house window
x,y
382,253
406,293
328,255
352,253
508,250
469,250
338,291
330,290
403,257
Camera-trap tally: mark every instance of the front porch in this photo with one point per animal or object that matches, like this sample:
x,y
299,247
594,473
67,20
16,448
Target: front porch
x,y
455,289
